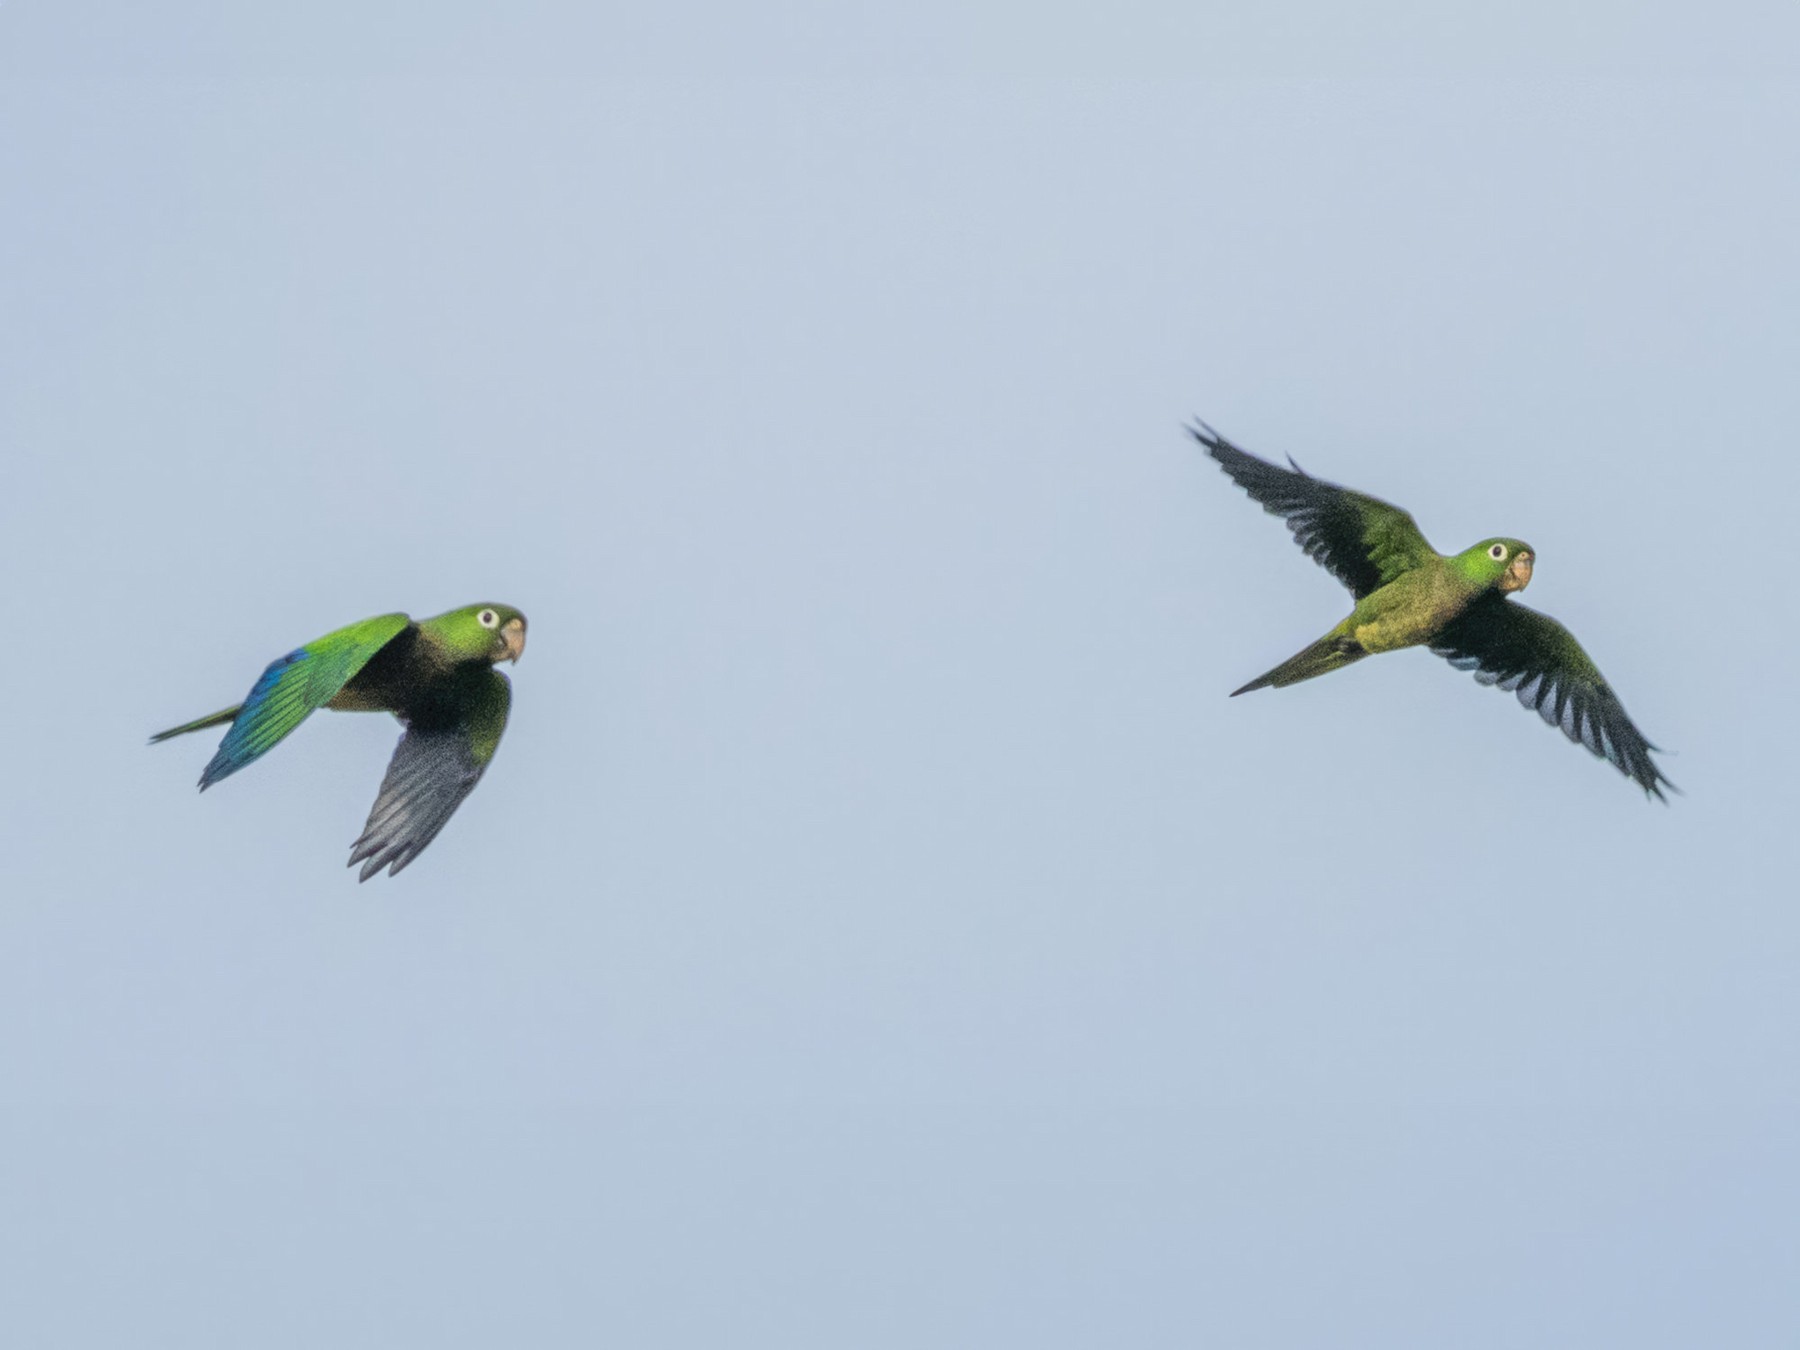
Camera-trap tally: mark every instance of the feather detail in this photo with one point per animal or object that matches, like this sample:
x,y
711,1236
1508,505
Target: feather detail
x,y
293,687
438,762
1361,540
1511,646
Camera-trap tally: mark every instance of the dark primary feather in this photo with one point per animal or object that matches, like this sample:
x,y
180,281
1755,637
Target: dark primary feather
x,y
437,763
430,774
1361,540
1527,652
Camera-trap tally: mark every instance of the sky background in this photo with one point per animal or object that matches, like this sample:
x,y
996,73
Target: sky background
x,y
878,928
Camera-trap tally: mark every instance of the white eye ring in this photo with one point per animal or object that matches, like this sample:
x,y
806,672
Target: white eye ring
x,y
1497,552
488,619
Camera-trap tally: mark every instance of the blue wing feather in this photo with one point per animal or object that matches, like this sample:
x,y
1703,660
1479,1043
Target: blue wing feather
x,y
293,687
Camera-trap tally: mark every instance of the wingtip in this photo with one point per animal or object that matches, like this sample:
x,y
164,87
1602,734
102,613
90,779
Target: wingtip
x,y
1219,447
378,856
1209,439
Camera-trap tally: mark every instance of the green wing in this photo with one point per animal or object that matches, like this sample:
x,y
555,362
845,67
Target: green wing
x,y
446,749
1516,647
306,679
1361,540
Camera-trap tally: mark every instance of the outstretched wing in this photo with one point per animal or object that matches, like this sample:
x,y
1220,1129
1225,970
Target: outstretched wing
x,y
1361,540
438,762
1531,654
306,679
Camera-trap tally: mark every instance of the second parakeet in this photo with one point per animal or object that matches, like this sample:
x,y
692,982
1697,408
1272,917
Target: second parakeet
x,y
1460,606
436,675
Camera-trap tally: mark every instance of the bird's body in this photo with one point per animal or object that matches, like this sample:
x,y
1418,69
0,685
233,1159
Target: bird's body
x,y
1412,607
436,675
1408,594
1408,611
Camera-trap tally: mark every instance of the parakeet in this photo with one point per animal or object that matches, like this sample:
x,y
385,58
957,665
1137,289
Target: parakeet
x,y
436,675
1460,606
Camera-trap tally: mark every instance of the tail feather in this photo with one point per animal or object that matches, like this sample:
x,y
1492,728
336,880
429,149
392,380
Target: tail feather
x,y
1329,653
211,720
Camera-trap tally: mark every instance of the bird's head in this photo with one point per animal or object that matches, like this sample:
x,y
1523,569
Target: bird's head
x,y
1504,564
491,633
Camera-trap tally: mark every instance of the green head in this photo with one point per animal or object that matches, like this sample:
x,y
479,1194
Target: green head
x,y
490,633
1504,564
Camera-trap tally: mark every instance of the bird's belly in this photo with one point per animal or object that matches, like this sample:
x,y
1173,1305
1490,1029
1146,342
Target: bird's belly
x,y
1405,620
1389,635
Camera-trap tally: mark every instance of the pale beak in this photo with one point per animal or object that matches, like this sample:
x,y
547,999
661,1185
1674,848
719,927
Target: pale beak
x,y
512,633
1518,572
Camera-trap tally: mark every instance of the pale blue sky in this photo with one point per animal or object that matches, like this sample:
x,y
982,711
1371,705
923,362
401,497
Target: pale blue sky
x,y
878,928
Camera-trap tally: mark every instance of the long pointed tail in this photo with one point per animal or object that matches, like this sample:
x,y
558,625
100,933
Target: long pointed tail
x,y
212,720
1327,654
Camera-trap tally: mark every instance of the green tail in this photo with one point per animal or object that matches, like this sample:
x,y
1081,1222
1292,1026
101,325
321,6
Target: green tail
x,y
213,720
1329,653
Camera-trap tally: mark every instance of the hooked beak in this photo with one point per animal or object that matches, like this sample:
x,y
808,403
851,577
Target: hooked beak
x,y
512,634
1518,572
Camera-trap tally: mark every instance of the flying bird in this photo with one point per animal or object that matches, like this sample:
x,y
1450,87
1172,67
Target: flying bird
x,y
436,675
1461,606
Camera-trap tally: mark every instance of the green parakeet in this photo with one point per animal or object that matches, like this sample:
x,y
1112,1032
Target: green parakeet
x,y
436,675
1460,606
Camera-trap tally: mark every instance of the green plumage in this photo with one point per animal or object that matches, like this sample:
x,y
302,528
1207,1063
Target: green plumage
x,y
1407,594
435,675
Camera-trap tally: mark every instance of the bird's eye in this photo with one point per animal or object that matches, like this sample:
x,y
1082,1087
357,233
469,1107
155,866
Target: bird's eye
x,y
487,618
1497,552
